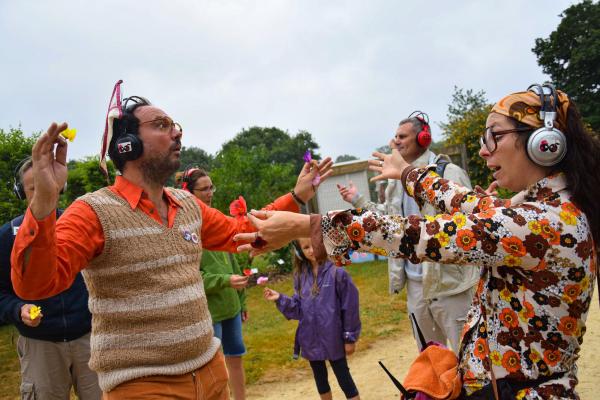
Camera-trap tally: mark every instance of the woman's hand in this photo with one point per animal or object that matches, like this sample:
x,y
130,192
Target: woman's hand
x,y
389,166
306,185
270,294
49,170
238,282
490,191
348,193
275,229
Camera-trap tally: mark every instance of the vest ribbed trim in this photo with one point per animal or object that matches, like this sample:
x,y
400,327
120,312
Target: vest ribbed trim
x,y
149,311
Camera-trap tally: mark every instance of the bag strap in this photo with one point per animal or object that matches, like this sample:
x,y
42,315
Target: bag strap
x,y
493,375
441,166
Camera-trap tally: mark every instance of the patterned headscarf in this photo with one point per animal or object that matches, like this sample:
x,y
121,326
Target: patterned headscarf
x,y
525,108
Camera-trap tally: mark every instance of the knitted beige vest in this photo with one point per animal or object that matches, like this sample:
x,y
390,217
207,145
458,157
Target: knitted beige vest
x,y
149,311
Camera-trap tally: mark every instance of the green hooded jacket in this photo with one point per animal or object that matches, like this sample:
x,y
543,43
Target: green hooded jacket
x,y
224,302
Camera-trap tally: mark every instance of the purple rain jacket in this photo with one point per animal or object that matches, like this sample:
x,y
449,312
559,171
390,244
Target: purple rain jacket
x,y
327,320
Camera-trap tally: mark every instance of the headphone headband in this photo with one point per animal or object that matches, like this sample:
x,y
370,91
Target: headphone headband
x,y
424,136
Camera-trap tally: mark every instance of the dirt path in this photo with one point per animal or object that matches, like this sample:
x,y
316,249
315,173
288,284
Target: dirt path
x,y
397,353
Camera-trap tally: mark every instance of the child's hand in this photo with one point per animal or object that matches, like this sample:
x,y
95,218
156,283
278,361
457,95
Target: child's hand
x,y
270,294
349,347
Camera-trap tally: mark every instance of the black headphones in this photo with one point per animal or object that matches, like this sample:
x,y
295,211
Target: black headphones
x,y
546,146
128,146
298,250
424,136
18,188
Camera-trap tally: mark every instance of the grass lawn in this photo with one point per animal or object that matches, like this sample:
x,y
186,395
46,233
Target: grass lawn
x,y
9,363
268,335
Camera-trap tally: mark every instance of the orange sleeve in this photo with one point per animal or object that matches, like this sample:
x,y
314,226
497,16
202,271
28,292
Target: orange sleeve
x,y
218,229
58,250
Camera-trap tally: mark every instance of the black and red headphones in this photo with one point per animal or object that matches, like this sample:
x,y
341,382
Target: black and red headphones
x,y
186,177
424,136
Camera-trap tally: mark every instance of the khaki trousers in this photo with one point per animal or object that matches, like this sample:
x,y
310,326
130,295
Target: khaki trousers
x,y
49,369
206,383
442,319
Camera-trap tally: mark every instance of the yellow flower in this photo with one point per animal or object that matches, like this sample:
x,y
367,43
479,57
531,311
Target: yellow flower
x,y
512,261
34,312
496,357
69,133
534,226
505,294
379,251
459,220
585,283
443,238
430,218
471,199
522,393
568,218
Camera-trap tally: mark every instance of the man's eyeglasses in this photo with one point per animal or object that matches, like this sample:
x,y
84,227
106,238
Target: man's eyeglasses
x,y
164,124
211,188
488,139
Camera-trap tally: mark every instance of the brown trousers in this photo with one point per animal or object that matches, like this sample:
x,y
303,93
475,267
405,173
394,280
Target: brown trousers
x,y
206,383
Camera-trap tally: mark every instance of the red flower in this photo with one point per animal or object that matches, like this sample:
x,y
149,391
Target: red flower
x,y
509,318
513,245
511,361
552,357
481,349
465,239
237,208
568,325
356,232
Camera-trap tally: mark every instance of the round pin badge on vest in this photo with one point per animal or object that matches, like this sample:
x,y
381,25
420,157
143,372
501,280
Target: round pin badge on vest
x,y
187,235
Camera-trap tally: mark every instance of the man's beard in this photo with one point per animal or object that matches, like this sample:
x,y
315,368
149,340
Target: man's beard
x,y
158,169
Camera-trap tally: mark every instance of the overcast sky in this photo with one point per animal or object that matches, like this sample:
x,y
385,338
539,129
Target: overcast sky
x,y
346,71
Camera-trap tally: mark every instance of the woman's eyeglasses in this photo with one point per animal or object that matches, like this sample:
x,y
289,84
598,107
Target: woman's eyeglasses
x,y
488,139
211,188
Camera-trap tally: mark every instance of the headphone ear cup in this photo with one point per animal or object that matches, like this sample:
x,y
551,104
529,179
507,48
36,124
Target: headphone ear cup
x,y
547,147
18,190
129,147
424,137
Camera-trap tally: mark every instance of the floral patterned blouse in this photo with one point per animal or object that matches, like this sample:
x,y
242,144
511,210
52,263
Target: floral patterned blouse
x,y
528,315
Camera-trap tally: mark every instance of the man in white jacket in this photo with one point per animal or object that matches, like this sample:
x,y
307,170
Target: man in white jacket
x,y
439,295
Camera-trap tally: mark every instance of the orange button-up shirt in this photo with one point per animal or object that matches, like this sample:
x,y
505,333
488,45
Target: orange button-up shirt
x,y
60,249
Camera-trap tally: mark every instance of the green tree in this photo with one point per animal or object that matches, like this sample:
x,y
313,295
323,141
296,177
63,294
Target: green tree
x,y
571,56
260,164
84,177
14,147
280,146
196,157
467,114
345,157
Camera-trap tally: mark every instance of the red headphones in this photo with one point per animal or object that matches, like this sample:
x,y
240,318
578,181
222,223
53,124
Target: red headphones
x,y
185,178
424,136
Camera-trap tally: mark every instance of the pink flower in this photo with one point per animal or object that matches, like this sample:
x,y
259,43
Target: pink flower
x,y
262,280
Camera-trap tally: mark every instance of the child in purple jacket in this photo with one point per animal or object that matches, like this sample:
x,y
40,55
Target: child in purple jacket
x,y
325,302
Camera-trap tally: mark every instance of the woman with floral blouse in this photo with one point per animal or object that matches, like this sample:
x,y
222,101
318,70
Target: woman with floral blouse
x,y
537,250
